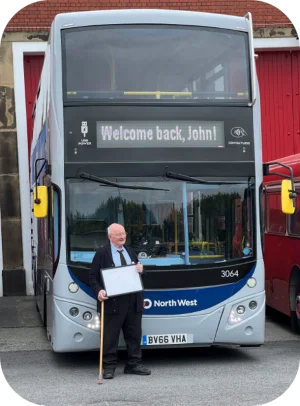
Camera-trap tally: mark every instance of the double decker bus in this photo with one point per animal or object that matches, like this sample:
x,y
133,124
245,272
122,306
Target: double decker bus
x,y
282,243
150,119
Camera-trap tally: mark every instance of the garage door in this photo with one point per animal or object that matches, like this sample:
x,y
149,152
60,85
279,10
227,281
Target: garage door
x,y
278,75
32,71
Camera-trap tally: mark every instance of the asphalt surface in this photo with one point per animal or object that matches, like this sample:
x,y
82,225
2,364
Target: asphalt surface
x,y
201,376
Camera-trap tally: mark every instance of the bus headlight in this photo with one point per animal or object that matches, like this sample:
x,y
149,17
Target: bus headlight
x,y
253,305
234,318
74,311
73,287
240,309
96,325
245,309
236,314
87,316
251,282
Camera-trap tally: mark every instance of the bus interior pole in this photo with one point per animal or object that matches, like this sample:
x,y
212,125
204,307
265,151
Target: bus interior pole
x,y
101,342
185,224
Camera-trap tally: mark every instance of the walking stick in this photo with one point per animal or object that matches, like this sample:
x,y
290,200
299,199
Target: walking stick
x,y
101,342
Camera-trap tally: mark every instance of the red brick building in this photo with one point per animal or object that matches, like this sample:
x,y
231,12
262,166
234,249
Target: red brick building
x,y
21,56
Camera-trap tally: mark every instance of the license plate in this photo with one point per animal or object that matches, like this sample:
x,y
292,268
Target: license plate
x,y
165,339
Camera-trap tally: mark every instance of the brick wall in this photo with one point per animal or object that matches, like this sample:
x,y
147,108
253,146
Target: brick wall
x,y
38,16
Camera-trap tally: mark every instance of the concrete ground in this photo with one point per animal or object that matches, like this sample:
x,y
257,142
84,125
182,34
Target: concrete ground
x,y
206,376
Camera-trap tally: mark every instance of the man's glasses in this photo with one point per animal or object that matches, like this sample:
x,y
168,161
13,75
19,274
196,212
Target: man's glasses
x,y
120,234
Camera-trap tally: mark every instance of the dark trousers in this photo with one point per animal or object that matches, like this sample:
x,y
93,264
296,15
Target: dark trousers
x,y
130,321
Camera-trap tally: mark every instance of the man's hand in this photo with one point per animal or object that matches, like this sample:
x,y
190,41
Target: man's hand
x,y
139,267
102,295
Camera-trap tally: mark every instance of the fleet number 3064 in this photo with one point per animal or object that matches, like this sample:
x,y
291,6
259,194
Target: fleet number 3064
x,y
226,273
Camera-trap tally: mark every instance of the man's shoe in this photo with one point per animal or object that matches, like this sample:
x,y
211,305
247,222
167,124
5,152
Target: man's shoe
x,y
108,374
137,370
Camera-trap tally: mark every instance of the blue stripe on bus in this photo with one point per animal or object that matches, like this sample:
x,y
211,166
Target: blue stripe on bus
x,y
172,302
87,289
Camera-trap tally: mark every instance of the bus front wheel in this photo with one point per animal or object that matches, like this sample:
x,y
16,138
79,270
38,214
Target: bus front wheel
x,y
295,315
298,310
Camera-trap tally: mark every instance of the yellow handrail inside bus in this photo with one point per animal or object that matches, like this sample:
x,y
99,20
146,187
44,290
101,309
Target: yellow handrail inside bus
x,y
158,94
206,256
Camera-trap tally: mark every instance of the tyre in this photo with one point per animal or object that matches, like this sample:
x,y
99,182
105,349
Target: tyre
x,y
295,314
45,310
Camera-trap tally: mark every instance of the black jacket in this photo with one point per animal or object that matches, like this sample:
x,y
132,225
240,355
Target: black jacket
x,y
103,259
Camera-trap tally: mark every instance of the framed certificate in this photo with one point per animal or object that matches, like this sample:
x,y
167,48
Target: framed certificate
x,y
121,280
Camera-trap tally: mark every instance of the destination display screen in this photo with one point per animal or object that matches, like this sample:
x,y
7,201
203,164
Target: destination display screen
x,y
160,134
133,133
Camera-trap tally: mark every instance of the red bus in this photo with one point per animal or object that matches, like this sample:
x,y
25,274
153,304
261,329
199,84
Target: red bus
x,y
282,244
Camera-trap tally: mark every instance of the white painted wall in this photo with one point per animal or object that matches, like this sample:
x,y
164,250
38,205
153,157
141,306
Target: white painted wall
x,y
273,44
19,50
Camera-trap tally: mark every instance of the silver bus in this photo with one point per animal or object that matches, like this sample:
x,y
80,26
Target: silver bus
x,y
150,119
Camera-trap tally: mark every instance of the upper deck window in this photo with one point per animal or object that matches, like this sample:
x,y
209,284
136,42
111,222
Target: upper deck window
x,y
155,62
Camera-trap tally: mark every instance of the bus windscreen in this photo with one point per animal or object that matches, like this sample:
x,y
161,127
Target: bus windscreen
x,y
178,224
155,62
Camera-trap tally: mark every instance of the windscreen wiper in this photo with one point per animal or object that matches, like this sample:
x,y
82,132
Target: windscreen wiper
x,y
186,178
94,178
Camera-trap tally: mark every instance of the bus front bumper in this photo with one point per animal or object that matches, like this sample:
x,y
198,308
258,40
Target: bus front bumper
x,y
222,326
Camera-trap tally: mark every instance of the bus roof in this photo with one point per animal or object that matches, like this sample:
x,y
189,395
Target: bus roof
x,y
292,160
150,16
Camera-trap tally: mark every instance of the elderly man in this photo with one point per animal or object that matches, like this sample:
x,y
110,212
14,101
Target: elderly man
x,y
121,312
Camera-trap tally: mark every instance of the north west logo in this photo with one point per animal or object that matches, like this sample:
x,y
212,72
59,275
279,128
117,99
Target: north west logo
x,y
169,303
147,303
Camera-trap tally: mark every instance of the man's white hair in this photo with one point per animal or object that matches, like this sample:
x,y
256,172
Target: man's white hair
x,y
109,229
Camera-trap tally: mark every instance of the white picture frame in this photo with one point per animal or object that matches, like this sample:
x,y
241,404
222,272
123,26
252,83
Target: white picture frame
x,y
121,280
